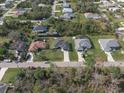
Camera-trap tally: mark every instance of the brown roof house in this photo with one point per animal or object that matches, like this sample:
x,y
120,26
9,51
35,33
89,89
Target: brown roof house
x,y
37,45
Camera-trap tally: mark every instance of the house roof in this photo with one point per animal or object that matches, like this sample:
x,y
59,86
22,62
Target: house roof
x,y
3,88
37,45
40,28
81,44
67,10
18,45
108,44
66,5
61,44
92,15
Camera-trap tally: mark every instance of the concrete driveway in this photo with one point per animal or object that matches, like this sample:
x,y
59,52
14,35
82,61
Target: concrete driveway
x,y
2,72
66,56
80,58
31,57
109,57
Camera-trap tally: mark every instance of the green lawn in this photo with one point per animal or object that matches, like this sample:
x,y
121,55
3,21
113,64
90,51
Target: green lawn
x,y
79,18
10,75
3,40
72,53
58,7
52,55
58,14
96,51
118,55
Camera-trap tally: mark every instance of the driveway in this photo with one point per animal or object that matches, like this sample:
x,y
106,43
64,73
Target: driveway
x,y
80,58
2,72
109,57
31,57
66,56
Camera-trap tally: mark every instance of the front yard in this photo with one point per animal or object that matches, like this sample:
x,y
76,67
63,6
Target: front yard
x,y
96,51
46,55
119,54
10,75
72,53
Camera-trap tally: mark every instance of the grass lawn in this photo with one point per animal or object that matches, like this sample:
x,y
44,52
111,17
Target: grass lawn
x,y
58,8
3,40
118,55
96,51
10,75
52,55
58,14
79,18
72,53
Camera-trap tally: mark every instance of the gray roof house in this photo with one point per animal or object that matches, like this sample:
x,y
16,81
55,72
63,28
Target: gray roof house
x,y
66,5
92,16
40,29
67,10
82,44
3,88
61,44
108,45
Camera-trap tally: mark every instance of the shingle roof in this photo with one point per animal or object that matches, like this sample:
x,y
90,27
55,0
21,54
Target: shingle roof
x,y
3,88
61,44
37,45
18,45
81,44
108,44
40,28
67,10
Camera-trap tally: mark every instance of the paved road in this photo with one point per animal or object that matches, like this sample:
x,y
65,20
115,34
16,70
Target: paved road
x,y
58,64
41,64
15,5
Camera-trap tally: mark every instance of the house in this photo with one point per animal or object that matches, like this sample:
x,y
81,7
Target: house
x,y
67,16
18,45
66,5
92,16
109,45
82,44
113,8
3,88
67,10
120,32
2,6
40,29
21,11
122,1
1,21
35,45
61,44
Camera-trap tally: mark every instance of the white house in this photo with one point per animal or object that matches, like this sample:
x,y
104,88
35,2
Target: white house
x,y
2,5
67,10
113,8
120,1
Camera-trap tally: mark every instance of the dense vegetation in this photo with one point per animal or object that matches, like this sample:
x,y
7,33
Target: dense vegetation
x,y
87,6
90,27
63,80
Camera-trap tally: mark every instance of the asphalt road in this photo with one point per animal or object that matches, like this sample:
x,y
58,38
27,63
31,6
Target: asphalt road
x,y
41,64
57,64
